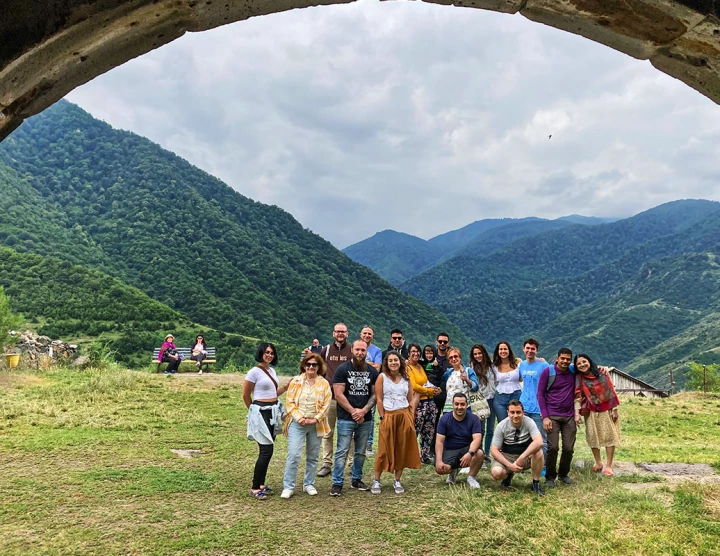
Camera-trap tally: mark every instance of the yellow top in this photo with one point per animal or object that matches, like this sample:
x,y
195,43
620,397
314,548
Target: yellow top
x,y
417,379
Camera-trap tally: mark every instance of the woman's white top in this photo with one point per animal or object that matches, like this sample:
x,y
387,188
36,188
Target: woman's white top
x,y
395,395
509,382
264,388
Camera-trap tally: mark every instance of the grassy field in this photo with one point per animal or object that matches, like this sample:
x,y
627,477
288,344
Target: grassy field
x,y
87,469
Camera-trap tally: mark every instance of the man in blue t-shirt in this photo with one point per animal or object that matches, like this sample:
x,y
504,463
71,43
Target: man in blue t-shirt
x,y
530,370
458,441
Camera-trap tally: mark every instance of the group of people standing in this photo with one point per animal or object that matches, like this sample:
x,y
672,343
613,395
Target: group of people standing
x,y
430,394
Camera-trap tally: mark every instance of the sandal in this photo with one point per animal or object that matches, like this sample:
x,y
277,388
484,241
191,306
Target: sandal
x,y
266,490
609,472
597,468
260,495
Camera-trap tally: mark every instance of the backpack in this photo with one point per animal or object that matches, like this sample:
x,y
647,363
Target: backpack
x,y
551,377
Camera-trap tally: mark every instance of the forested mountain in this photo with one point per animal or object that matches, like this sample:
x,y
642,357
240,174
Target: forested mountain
x,y
398,257
149,218
566,285
455,239
63,300
495,239
395,256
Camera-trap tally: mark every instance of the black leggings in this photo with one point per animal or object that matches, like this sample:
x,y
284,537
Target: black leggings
x,y
266,450
172,364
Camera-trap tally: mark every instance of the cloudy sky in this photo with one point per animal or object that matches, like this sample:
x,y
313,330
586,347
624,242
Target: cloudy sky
x,y
420,118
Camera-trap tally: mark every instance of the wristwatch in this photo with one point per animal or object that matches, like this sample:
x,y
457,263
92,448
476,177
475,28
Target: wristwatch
x,y
382,417
471,453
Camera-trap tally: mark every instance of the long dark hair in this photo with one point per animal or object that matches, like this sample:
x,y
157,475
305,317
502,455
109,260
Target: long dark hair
x,y
481,369
386,370
593,366
511,356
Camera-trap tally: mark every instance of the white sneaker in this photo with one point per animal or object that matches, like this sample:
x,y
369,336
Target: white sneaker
x,y
375,488
286,493
473,482
310,489
369,452
452,477
398,487
200,372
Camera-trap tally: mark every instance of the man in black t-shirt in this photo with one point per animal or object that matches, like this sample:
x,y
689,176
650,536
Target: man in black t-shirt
x,y
354,388
459,437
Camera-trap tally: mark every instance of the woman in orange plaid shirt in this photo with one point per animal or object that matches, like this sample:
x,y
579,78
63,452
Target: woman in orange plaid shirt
x,y
307,403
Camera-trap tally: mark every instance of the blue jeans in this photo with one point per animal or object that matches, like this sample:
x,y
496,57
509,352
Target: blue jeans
x,y
347,431
489,427
372,429
297,436
537,418
501,401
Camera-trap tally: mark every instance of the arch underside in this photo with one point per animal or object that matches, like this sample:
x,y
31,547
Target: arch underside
x,y
50,47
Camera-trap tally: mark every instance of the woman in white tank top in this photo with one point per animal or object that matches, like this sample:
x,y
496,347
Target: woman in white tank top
x,y
397,446
507,373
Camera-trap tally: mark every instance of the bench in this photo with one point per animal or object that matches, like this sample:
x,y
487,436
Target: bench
x,y
186,353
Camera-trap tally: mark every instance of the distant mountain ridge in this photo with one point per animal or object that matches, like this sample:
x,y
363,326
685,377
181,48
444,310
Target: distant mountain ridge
x,y
398,257
554,284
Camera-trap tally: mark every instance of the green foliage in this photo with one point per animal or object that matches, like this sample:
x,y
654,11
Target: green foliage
x,y
704,377
8,319
150,219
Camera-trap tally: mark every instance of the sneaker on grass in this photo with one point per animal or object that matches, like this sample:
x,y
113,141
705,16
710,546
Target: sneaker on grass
x,y
537,489
359,485
398,487
375,488
310,489
286,493
336,490
507,480
473,482
452,477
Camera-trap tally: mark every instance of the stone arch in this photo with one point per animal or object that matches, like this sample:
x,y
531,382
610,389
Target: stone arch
x,y
49,47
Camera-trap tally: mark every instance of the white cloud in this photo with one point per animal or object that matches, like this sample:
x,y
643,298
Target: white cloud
x,y
392,112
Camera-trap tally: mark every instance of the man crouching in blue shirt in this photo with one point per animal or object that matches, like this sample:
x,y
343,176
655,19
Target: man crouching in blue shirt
x,y
458,441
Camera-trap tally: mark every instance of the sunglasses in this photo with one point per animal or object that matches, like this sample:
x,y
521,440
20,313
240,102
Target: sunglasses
x,y
517,435
454,357
443,341
311,365
396,338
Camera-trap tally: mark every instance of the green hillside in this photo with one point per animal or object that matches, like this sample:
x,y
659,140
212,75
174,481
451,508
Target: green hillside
x,y
395,256
499,237
659,304
188,240
63,300
601,299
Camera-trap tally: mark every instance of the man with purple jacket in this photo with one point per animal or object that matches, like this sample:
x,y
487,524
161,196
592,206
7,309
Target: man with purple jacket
x,y
556,397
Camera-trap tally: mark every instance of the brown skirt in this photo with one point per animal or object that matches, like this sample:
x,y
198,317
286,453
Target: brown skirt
x,y
397,446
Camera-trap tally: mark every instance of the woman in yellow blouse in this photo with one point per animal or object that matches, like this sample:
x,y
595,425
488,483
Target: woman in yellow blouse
x,y
425,408
307,403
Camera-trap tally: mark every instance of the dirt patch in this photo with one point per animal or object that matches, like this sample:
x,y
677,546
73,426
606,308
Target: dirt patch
x,y
9,380
187,454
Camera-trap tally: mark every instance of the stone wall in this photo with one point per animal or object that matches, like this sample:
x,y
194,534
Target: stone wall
x,y
49,47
